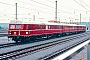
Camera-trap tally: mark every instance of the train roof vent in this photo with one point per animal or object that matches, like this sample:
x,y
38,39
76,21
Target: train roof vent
x,y
16,21
54,21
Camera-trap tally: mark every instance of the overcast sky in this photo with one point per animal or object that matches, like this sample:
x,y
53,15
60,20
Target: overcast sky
x,y
45,10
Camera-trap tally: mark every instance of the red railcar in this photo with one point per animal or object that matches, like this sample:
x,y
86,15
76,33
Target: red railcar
x,y
28,31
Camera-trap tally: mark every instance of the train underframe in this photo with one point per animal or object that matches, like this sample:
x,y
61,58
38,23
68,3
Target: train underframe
x,y
43,36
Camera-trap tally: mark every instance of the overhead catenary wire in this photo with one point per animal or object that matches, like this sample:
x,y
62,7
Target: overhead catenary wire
x,y
83,4
41,11
25,8
33,5
34,9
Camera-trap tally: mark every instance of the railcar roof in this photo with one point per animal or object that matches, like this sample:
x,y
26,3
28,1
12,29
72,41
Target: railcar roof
x,y
38,22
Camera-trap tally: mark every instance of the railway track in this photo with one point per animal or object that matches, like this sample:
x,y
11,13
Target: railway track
x,y
12,44
56,53
33,49
9,45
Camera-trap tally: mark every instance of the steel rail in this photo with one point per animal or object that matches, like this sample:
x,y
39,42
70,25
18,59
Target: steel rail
x,y
15,44
56,53
33,49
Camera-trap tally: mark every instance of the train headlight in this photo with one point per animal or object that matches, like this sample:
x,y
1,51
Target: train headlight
x,y
10,33
19,33
14,33
26,32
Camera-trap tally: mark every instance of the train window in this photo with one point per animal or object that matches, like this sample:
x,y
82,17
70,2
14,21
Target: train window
x,y
37,27
52,27
67,26
43,26
12,26
26,27
59,27
56,27
18,26
71,26
48,27
30,27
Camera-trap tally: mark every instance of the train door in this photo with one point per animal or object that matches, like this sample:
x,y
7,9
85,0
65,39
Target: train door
x,y
46,27
63,28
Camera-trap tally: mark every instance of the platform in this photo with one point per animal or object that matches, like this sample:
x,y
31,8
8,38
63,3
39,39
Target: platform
x,y
71,51
3,34
4,40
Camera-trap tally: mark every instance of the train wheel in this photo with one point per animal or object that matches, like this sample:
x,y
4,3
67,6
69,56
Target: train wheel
x,y
47,36
32,38
16,41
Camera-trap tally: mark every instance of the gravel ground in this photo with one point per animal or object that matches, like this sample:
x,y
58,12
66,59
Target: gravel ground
x,y
82,55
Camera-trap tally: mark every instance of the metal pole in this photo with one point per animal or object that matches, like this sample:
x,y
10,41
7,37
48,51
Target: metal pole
x,y
56,11
16,11
33,17
88,52
80,18
88,24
